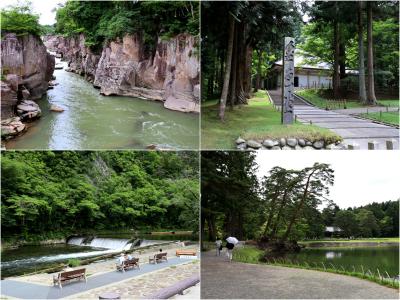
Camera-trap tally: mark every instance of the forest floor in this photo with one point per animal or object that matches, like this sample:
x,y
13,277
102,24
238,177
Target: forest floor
x,y
222,279
103,277
257,120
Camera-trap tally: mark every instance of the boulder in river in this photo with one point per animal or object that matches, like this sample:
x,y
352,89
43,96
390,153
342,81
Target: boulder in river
x,y
28,110
11,127
56,108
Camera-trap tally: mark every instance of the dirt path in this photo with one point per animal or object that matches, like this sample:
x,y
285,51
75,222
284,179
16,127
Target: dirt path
x,y
221,279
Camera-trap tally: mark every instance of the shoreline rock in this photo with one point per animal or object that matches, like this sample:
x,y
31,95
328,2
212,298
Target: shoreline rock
x,y
56,108
287,144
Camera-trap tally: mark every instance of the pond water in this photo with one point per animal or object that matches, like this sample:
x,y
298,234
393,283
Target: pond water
x,y
93,121
384,258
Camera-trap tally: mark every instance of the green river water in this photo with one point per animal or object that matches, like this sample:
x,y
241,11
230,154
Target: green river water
x,y
384,258
93,121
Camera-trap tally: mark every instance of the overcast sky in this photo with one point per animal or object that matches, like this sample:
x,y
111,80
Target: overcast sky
x,y
44,8
361,177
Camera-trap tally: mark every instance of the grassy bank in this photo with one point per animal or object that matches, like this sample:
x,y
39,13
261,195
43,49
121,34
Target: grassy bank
x,y
365,240
257,120
385,117
318,98
250,254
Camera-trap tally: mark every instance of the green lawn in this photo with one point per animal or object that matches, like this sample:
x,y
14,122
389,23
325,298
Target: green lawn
x,y
390,103
386,117
316,97
257,120
247,254
376,240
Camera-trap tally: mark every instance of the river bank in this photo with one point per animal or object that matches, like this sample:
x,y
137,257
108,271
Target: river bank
x,y
93,121
125,67
145,281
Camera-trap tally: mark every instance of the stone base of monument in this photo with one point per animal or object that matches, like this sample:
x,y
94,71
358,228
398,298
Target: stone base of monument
x,y
287,144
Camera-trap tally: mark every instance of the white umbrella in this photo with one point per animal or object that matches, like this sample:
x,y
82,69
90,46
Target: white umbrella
x,y
232,240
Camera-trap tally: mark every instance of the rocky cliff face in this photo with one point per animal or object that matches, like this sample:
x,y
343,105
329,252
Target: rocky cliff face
x,y
81,59
27,58
26,70
123,68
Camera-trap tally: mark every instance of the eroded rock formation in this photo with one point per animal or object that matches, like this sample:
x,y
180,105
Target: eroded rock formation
x,y
124,67
26,70
27,58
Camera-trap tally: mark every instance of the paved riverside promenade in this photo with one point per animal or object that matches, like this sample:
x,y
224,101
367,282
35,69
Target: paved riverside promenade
x,y
225,280
24,290
353,130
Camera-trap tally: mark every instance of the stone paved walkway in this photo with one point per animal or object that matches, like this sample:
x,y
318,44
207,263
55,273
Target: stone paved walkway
x,y
24,290
224,280
352,130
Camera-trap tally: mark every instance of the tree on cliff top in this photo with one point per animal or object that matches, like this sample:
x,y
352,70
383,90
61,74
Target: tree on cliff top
x,y
102,21
19,19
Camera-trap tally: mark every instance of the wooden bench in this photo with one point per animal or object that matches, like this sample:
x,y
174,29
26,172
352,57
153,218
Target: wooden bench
x,y
157,258
68,276
129,264
188,252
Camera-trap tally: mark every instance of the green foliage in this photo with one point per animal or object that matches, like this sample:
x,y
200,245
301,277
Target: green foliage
x,y
248,254
104,21
347,222
76,191
19,19
257,120
74,262
48,29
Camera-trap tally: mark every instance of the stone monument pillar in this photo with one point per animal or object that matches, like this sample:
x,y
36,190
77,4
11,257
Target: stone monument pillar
x,y
288,81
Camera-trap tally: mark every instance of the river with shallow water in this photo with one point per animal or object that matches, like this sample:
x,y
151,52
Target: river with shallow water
x,y
93,121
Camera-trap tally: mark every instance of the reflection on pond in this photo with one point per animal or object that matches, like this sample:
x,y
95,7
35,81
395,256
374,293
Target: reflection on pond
x,y
332,254
384,258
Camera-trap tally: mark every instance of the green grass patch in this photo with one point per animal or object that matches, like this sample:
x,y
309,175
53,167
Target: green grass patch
x,y
366,240
318,98
390,103
257,120
391,117
247,254
74,262
251,254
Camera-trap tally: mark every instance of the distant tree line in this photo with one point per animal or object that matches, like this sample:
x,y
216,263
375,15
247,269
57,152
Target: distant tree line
x,y
67,192
283,205
101,21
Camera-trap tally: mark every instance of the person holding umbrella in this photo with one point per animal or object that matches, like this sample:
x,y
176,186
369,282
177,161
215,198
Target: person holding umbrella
x,y
230,244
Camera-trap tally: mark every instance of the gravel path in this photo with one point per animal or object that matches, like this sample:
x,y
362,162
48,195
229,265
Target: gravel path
x,y
221,279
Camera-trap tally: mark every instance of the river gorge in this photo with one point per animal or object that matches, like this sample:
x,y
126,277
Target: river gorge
x,y
119,99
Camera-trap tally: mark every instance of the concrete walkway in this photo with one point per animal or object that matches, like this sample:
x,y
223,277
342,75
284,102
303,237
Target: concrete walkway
x,y
354,131
24,290
225,280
